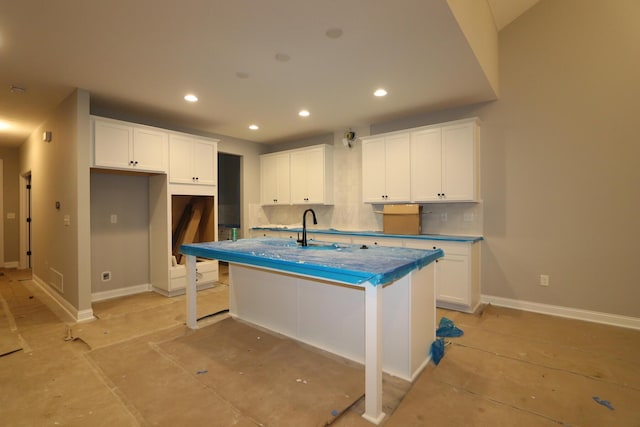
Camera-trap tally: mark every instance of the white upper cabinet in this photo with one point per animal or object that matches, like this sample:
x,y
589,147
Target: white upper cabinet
x,y
192,160
302,176
275,179
120,145
435,163
311,175
386,169
443,163
459,162
426,164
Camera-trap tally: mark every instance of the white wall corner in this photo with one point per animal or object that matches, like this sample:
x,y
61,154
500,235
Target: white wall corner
x,y
57,301
477,23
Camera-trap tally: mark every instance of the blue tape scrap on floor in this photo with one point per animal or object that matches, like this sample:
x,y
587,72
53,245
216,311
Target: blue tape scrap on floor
x,y
603,402
447,329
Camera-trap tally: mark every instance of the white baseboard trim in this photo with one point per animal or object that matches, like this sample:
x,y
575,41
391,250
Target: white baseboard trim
x,y
568,312
73,313
120,292
11,264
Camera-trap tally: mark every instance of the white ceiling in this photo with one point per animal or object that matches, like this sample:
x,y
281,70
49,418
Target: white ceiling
x,y
141,57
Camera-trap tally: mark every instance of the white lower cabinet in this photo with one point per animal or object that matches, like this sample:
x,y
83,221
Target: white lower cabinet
x,y
206,275
457,273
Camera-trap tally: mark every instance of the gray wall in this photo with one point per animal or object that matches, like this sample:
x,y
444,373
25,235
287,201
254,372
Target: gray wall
x,y
121,248
560,152
60,173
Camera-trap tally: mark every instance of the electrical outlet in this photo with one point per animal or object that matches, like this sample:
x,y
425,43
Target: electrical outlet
x,y
114,219
106,276
544,280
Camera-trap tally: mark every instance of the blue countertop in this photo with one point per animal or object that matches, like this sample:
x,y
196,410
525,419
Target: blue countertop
x,y
379,234
342,263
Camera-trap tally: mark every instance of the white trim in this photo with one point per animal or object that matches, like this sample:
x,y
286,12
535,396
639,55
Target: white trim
x,y
24,232
120,292
568,312
11,264
71,311
1,213
85,315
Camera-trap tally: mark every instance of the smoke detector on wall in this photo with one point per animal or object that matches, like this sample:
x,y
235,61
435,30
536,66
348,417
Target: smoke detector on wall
x,y
349,138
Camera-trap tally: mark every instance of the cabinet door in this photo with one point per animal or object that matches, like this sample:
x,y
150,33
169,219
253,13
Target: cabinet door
x,y
180,160
452,270
373,170
112,144
316,175
150,149
398,168
426,165
205,162
458,162
307,176
274,179
299,178
452,279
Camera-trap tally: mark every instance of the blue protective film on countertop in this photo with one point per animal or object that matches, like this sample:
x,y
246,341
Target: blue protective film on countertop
x,y
330,231
331,261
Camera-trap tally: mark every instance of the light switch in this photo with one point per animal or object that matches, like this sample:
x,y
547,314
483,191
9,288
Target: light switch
x,y
11,215
67,220
114,218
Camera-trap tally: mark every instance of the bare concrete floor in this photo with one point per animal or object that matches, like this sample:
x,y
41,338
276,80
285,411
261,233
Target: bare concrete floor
x,y
510,368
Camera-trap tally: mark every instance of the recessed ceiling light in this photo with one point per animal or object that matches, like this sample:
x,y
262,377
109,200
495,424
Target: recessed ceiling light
x,y
334,33
190,98
254,127
380,92
304,113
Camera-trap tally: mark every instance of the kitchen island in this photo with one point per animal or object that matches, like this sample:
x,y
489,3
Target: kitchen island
x,y
332,296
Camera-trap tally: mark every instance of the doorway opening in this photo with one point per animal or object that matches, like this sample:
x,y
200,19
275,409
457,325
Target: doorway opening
x,y
229,195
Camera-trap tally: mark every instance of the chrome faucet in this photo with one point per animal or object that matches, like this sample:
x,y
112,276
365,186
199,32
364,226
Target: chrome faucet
x,y
304,226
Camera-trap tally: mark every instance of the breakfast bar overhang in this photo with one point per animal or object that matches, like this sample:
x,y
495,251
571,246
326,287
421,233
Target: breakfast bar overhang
x,y
314,294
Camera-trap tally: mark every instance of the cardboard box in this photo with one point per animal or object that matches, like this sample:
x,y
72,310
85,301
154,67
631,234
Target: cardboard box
x,y
402,219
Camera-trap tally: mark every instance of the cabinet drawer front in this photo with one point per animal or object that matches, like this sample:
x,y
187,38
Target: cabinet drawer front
x,y
457,248
375,241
